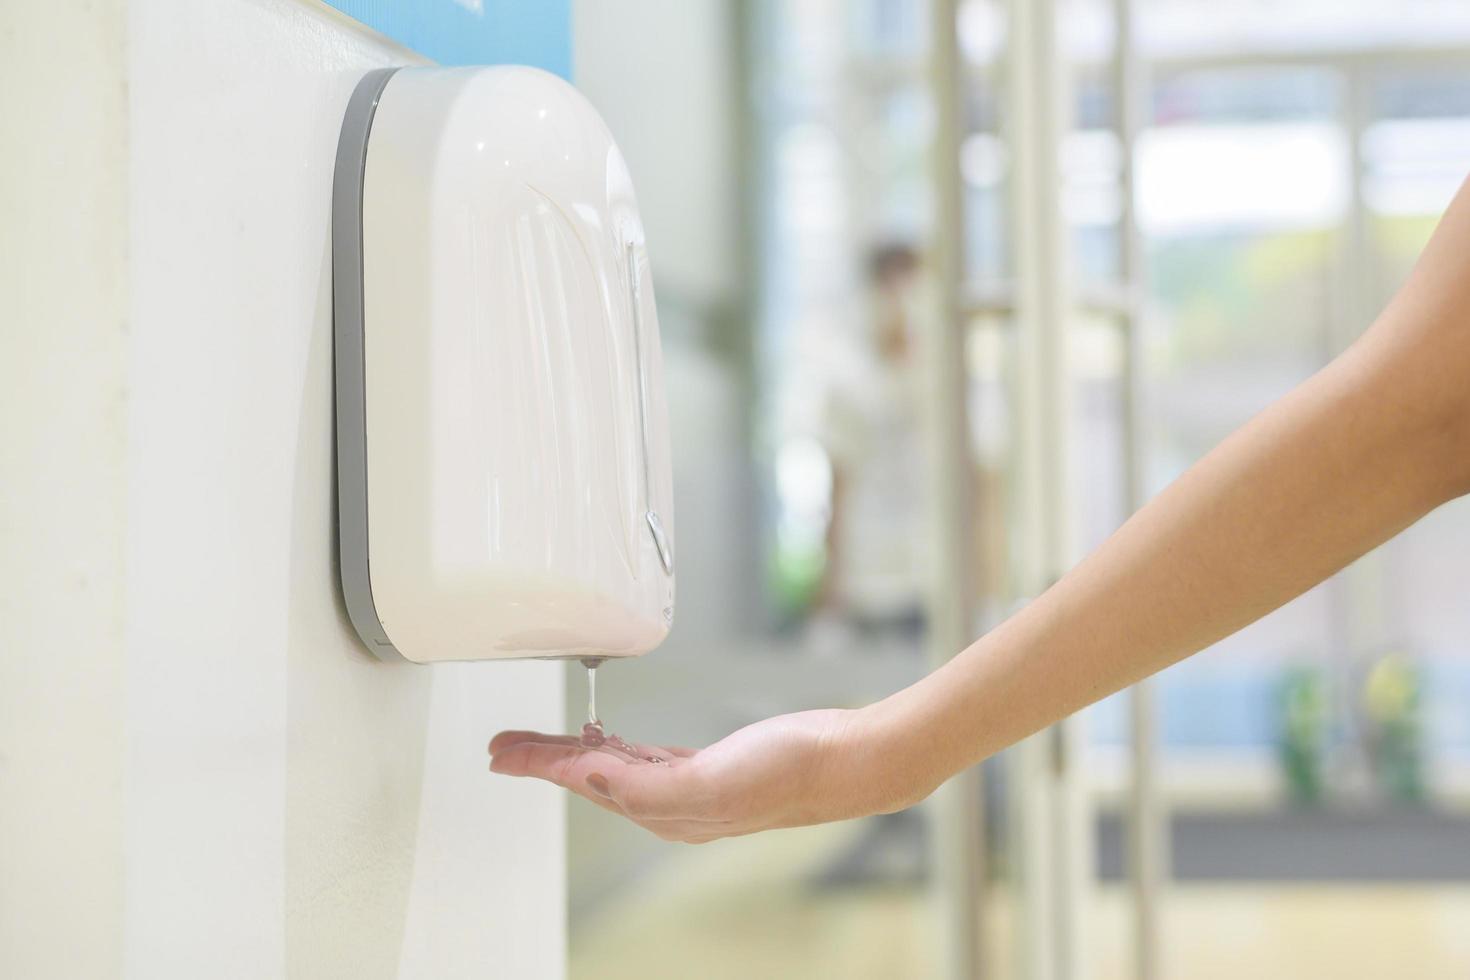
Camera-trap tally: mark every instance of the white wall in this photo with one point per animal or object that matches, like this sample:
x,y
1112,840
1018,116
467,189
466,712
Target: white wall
x,y
63,239
201,773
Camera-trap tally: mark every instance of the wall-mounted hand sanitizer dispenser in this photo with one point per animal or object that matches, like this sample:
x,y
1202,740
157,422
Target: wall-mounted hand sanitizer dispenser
x,y
504,483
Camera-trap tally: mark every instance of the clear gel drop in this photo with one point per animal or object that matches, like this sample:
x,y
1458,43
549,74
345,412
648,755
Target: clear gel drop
x,y
593,737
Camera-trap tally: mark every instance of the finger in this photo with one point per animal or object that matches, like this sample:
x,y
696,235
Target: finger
x,y
642,791
571,767
562,762
559,764
506,739
560,759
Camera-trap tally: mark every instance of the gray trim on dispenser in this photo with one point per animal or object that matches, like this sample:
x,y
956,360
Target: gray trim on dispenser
x,y
347,315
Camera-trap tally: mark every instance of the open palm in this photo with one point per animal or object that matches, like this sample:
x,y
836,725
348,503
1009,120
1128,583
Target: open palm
x,y
786,771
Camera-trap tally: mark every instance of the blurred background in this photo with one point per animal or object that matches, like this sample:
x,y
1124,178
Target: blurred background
x,y
945,291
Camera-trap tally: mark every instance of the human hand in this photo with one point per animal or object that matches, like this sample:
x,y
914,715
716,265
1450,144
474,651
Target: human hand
x,y
788,771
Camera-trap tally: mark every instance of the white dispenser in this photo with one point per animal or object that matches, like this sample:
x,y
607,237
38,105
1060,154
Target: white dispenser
x,y
504,483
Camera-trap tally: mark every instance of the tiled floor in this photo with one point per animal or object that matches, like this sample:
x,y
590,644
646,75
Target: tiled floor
x,y
746,909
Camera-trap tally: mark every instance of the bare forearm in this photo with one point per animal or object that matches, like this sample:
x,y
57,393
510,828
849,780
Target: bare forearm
x,y
1367,447
1372,443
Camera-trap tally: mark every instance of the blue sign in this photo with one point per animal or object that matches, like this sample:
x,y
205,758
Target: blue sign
x,y
475,32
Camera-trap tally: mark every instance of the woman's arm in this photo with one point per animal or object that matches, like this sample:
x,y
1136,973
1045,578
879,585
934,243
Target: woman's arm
x,y
1356,454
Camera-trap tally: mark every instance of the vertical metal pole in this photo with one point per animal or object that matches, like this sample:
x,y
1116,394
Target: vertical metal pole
x,y
1362,610
956,854
1051,815
1360,284
1147,823
1027,800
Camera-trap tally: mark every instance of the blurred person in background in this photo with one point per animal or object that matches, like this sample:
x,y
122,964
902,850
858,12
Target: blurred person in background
x,y
873,588
873,582
1363,449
